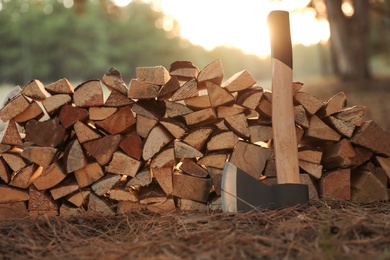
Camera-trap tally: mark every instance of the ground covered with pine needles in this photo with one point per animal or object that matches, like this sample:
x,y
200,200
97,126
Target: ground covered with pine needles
x,y
320,230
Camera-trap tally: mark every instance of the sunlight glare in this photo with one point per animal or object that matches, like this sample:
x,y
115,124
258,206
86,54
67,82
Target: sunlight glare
x,y
121,3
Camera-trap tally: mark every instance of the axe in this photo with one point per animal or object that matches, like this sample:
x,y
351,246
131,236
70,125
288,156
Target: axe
x,y
239,190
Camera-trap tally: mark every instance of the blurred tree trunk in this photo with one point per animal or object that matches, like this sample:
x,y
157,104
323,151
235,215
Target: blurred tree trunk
x,y
349,39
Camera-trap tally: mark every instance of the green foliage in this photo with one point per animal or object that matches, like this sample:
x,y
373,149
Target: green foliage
x,y
45,40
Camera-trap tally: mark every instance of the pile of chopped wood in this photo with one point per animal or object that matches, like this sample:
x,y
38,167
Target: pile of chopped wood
x,y
162,142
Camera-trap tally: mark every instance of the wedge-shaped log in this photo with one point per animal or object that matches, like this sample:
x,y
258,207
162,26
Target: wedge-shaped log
x,y
250,97
300,117
366,187
100,113
35,90
33,111
174,109
53,103
89,174
197,137
250,158
124,194
98,206
144,125
308,101
9,194
142,89
102,149
119,122
164,177
50,177
333,105
261,133
61,86
198,102
14,160
132,145
41,202
157,139
74,158
10,135
176,128
156,75
342,127
123,164
5,171
191,167
24,177
372,137
183,70
239,125
338,155
167,90
79,198
118,99
141,179
218,96
187,90
321,131
201,117
150,108
113,80
65,188
225,111
85,133
314,169
164,158
89,94
105,184
49,133
214,159
353,115
336,184
212,72
190,187
69,115
240,81
183,150
222,141
14,107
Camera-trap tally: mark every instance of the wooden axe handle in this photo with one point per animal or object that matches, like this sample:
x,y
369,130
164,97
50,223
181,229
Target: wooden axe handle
x,y
284,133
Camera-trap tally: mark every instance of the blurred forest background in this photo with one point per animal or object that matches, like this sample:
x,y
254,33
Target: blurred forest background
x,y
51,39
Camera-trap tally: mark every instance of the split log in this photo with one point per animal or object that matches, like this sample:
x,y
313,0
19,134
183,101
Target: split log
x,y
151,194
372,137
102,186
33,111
191,205
250,97
384,163
201,117
308,101
333,105
120,122
183,70
240,81
24,177
336,184
5,171
218,96
197,137
89,94
40,202
35,90
9,194
124,194
102,149
215,160
183,150
14,160
10,135
166,91
69,115
118,99
362,155
150,108
175,109
216,179
314,169
190,187
132,145
156,75
98,206
300,117
338,155
162,207
55,102
164,177
187,90
123,164
250,158
261,133
100,113
13,210
239,125
223,140
79,198
89,174
164,158
353,115
225,111
65,188
50,177
191,167
198,102
14,107
309,155
61,86
142,179
366,188
176,128
264,108
113,80
321,131
344,128
212,72
85,133
144,125
306,179
157,139
74,158
49,133
142,89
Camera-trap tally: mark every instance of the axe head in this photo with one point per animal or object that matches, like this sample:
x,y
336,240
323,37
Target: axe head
x,y
240,192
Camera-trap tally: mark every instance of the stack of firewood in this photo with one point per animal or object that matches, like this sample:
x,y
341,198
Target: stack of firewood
x,y
161,143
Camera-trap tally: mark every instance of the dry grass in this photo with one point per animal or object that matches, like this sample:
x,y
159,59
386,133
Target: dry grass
x,y
321,230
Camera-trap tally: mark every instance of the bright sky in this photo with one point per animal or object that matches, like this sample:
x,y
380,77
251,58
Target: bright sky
x,y
241,24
